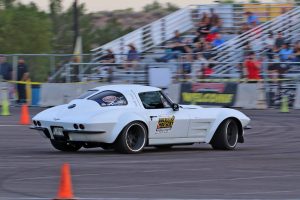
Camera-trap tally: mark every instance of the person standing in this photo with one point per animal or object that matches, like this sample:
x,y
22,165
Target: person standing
x,y
22,75
5,69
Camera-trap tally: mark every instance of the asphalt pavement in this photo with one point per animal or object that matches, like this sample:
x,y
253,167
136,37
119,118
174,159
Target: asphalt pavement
x,y
266,166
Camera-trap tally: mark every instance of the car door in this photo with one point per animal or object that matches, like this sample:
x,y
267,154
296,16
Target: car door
x,y
164,122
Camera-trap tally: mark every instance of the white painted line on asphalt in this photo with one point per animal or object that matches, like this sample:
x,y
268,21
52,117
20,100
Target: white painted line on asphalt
x,y
187,182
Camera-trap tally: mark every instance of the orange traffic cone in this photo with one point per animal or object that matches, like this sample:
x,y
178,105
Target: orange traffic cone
x,y
25,117
65,191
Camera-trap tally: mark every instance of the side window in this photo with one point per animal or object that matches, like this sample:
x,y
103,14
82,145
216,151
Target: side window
x,y
154,100
109,98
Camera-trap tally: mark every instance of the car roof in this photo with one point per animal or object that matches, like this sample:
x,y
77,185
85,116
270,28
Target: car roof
x,y
128,87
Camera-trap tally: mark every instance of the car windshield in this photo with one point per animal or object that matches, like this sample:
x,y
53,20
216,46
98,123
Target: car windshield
x,y
109,98
87,94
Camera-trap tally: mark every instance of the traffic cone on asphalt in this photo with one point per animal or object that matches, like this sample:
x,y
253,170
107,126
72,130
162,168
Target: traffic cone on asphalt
x,y
5,103
25,117
5,108
65,190
284,108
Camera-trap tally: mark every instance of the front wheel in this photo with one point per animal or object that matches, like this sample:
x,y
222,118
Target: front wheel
x,y
226,136
65,146
132,138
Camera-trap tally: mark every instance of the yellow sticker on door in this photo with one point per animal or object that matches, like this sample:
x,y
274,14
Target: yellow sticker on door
x,y
165,124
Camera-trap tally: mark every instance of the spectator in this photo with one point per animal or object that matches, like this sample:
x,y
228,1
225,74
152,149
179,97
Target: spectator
x,y
178,44
197,38
199,64
269,46
108,60
251,18
205,19
218,40
252,67
297,53
175,47
132,57
279,41
109,57
208,54
207,71
286,53
22,75
199,47
203,29
5,69
270,41
214,18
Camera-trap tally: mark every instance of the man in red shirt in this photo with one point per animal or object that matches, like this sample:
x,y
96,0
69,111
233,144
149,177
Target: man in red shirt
x,y
252,66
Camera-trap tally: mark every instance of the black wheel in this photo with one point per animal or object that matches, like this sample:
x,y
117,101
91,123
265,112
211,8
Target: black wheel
x,y
65,146
132,138
164,147
226,136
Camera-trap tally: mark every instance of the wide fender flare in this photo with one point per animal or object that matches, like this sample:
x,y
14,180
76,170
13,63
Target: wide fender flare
x,y
215,125
123,121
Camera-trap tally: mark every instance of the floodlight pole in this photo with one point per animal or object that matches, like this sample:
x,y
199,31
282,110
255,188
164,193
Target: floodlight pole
x,y
76,22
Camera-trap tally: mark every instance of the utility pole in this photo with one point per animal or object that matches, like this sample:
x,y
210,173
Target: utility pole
x,y
76,22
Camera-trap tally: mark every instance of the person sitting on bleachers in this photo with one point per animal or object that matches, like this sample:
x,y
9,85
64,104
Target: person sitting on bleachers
x,y
251,18
214,18
218,40
203,29
286,53
175,47
279,41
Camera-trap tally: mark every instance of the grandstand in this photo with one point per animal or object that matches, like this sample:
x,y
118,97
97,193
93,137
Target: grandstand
x,y
152,39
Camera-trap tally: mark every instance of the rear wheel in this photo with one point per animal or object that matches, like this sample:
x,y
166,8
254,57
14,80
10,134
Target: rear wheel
x,y
65,146
226,136
132,138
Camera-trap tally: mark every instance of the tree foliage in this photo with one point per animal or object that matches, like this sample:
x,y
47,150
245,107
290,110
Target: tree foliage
x,y
23,29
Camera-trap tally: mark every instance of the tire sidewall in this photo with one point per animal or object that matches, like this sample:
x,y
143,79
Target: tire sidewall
x,y
225,135
124,136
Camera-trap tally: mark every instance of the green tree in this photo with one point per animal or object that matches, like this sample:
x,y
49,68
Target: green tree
x,y
152,7
26,30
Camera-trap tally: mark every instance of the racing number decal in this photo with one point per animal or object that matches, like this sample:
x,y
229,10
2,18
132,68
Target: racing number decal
x,y
165,124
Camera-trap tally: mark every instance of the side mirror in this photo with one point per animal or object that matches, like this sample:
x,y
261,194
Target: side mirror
x,y
175,106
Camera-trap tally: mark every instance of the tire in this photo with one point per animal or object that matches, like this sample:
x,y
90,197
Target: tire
x,y
226,136
65,146
132,139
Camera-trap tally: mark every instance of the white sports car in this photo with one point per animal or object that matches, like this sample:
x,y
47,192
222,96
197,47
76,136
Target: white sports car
x,y
130,117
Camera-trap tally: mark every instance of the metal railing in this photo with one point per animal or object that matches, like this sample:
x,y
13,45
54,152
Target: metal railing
x,y
179,70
